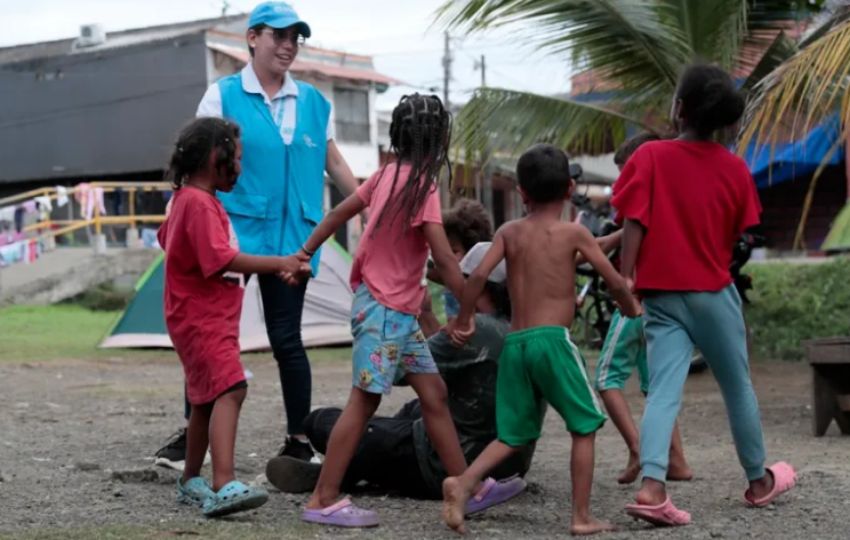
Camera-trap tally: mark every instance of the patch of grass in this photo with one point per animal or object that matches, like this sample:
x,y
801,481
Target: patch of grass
x,y
37,333
72,332
795,302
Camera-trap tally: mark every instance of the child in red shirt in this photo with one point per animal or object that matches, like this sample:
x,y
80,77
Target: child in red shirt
x,y
203,302
685,202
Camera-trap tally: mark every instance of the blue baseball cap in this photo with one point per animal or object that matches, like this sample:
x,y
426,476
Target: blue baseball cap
x,y
277,15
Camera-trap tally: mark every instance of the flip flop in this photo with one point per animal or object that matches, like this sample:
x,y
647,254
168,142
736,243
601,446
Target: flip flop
x,y
662,515
493,493
234,497
341,514
784,478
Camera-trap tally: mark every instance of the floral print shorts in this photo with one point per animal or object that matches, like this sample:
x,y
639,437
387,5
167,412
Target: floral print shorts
x,y
388,345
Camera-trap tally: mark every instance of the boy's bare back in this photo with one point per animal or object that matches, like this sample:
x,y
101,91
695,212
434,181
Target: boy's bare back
x,y
540,253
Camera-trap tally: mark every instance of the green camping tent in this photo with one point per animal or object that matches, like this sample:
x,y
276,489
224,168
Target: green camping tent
x,y
325,320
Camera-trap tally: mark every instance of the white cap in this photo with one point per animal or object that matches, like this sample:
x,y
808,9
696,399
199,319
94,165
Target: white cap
x,y
474,257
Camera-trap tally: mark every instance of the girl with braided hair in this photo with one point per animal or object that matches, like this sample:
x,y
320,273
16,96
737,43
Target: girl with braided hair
x,y
389,347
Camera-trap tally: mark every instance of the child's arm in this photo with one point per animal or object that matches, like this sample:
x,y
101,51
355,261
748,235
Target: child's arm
x,y
446,263
464,325
588,247
633,233
254,264
428,322
335,219
607,244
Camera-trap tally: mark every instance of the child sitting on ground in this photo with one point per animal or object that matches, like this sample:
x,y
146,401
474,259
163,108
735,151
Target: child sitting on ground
x,y
539,364
466,224
203,303
624,350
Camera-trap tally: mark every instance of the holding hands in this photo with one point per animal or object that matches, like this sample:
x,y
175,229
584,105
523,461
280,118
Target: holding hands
x,y
294,269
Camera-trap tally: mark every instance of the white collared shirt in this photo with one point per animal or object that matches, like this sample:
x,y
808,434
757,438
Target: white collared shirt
x,y
281,106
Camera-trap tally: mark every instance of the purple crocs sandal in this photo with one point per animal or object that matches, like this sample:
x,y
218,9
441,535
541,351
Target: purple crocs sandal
x,y
493,493
341,514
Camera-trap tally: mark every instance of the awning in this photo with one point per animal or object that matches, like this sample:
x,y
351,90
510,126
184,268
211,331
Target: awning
x,y
785,161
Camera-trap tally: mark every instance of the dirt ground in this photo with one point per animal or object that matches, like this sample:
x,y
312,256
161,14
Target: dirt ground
x,y
68,427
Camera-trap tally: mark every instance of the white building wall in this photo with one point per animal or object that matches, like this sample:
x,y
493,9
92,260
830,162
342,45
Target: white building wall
x,y
361,157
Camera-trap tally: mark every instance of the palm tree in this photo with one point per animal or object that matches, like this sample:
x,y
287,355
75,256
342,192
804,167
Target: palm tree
x,y
638,46
811,83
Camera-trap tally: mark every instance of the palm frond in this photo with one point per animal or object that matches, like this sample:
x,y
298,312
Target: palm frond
x,y
624,40
801,92
713,30
505,121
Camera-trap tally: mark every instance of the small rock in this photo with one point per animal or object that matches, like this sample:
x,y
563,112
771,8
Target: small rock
x,y
1,478
716,534
84,466
136,476
117,493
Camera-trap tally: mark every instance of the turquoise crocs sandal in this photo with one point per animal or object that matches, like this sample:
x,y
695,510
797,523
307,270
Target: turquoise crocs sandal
x,y
235,497
195,491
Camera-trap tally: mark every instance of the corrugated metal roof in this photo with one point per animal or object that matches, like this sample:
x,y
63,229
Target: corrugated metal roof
x,y
124,38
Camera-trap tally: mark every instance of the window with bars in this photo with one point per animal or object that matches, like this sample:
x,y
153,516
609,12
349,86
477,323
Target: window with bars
x,y
351,108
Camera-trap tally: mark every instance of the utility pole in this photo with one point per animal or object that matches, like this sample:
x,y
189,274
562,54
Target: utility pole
x,y
486,194
482,65
447,68
445,190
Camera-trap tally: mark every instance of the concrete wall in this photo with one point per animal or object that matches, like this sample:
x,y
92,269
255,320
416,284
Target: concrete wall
x,y
99,113
67,272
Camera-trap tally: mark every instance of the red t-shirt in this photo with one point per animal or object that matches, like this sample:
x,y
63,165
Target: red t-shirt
x,y
391,257
202,304
694,199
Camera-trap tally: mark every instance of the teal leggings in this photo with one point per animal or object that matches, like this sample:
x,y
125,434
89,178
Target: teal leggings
x,y
674,323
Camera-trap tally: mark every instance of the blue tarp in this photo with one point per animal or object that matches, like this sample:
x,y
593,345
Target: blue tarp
x,y
799,158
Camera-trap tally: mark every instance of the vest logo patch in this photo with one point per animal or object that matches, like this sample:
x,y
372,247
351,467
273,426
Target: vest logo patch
x,y
309,142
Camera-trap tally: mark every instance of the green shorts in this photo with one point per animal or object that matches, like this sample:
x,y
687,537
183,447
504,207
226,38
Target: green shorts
x,y
537,366
623,351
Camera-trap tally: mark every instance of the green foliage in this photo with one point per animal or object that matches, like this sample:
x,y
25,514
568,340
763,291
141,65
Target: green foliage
x,y
638,48
104,297
72,332
795,302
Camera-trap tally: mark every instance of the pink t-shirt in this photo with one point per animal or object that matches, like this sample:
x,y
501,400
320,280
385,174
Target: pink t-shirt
x,y
390,259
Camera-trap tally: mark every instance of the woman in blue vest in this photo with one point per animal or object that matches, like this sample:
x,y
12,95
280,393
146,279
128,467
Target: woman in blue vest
x,y
287,146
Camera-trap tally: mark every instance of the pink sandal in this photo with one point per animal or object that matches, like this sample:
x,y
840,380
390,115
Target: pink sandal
x,y
784,478
662,515
341,514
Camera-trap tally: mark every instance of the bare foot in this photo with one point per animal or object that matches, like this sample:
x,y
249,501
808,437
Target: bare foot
x,y
631,472
454,503
589,526
679,472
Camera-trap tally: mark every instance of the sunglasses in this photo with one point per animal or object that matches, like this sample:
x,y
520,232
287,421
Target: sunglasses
x,y
284,35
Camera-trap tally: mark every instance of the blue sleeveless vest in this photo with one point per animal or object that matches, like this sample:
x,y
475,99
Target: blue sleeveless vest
x,y
278,198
